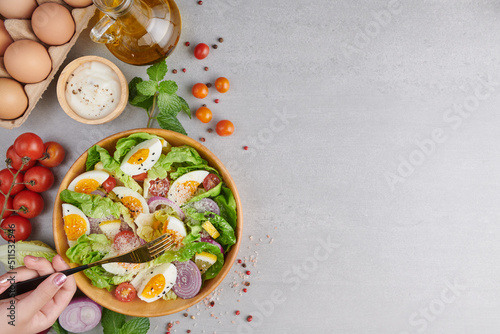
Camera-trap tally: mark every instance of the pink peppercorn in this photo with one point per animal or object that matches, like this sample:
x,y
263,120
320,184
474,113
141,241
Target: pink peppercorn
x,y
216,101
248,272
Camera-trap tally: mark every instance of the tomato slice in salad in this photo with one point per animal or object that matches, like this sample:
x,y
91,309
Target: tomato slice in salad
x,y
125,292
125,241
109,184
211,181
140,177
159,187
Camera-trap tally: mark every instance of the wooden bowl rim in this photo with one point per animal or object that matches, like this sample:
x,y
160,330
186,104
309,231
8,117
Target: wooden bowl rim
x,y
61,90
139,308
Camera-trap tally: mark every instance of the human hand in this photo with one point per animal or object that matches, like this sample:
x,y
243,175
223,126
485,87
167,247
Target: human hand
x,y
37,310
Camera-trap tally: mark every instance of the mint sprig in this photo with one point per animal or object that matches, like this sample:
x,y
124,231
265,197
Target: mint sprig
x,y
157,92
115,323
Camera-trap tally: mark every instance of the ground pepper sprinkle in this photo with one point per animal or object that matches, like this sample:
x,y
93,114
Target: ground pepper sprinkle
x,y
185,314
244,265
174,71
209,130
209,85
215,46
221,40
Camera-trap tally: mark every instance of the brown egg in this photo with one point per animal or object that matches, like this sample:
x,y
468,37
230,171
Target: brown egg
x,y
17,9
13,97
5,39
27,61
78,3
53,24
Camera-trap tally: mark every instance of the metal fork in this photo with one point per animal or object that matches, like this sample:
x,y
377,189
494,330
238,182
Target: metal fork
x,y
141,254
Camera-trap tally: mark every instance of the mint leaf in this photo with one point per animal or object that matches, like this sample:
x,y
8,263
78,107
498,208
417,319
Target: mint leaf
x,y
135,326
137,99
169,121
147,88
185,106
111,321
158,71
169,103
168,86
58,329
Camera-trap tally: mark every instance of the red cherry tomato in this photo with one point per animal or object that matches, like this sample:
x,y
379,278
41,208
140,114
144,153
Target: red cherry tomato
x,y
201,51
200,91
109,184
210,181
204,114
140,177
159,187
38,179
8,207
28,204
29,145
6,179
15,228
224,128
53,154
125,292
125,240
15,160
222,85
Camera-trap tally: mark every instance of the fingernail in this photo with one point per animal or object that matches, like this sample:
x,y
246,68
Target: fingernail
x,y
3,280
60,279
34,258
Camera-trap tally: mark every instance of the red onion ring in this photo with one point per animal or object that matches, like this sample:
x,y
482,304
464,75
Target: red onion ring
x,y
72,319
156,201
188,282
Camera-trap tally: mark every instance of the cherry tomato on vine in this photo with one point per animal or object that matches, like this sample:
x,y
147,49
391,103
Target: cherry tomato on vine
x,y
109,184
201,51
224,128
200,90
204,114
38,179
222,85
15,228
15,160
28,204
29,145
210,181
125,292
53,154
6,179
9,206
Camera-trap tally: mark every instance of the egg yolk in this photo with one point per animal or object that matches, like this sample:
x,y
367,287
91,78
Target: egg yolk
x,y
133,204
86,186
154,287
74,226
186,190
139,157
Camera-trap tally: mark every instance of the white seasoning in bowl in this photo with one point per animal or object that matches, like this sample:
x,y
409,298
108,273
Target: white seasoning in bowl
x,y
93,90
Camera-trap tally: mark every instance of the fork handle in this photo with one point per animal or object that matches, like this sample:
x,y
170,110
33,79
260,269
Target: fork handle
x,y
19,288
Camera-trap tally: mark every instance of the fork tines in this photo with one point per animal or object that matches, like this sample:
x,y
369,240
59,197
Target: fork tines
x,y
158,246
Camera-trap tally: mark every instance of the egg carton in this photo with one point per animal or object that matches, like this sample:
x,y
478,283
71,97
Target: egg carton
x,y
21,29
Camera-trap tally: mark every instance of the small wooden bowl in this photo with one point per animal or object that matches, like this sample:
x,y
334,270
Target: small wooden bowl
x,y
61,90
139,308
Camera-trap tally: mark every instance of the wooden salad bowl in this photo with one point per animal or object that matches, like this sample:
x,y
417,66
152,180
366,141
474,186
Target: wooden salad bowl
x,y
137,307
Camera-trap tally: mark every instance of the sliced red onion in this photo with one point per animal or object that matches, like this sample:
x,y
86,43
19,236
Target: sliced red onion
x,y
98,192
157,201
188,282
213,242
206,204
81,315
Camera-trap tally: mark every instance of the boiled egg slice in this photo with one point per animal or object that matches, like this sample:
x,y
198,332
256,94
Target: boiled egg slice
x,y
141,157
185,186
88,181
121,268
132,200
176,226
157,282
76,223
110,228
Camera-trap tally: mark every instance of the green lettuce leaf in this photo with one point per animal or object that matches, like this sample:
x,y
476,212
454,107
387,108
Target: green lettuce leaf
x,y
93,157
93,206
185,155
160,168
188,252
124,145
211,193
21,249
227,205
227,236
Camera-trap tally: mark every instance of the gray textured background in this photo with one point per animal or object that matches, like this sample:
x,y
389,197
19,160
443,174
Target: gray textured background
x,y
372,129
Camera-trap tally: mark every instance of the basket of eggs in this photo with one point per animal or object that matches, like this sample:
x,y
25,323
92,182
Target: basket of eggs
x,y
35,38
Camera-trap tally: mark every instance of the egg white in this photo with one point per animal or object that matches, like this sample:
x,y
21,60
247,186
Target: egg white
x,y
69,209
121,269
178,193
168,270
134,168
122,192
97,175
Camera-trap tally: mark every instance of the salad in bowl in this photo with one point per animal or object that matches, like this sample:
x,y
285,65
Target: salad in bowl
x,y
132,188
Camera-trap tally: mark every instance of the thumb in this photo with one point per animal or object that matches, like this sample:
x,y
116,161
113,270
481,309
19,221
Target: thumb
x,y
43,293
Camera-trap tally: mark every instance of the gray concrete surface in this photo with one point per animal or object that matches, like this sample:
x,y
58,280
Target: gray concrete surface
x,y
373,161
